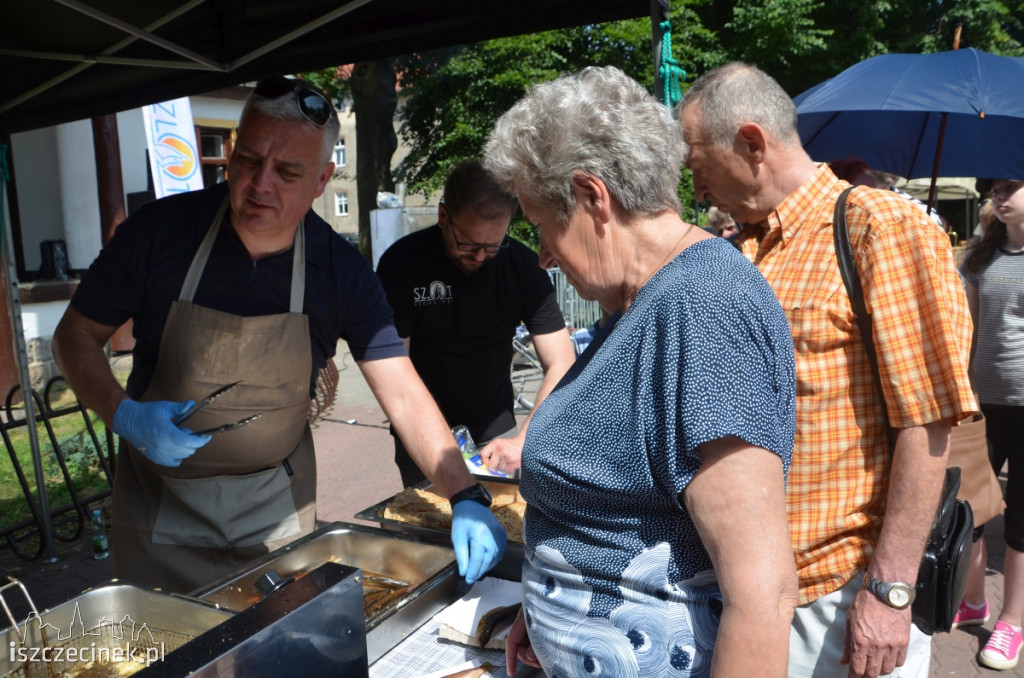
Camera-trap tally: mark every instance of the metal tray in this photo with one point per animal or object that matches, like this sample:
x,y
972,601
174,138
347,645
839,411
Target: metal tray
x,y
510,567
311,626
109,616
428,567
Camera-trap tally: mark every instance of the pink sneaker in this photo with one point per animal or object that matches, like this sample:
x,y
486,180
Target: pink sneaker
x,y
968,616
1002,651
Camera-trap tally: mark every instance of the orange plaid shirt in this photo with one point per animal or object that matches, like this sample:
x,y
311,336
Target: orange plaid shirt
x,y
839,477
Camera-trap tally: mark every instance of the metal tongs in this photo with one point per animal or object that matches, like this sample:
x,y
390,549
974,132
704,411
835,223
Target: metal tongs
x,y
206,401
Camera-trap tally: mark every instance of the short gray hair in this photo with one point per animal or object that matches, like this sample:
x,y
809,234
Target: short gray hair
x,y
286,107
600,122
735,94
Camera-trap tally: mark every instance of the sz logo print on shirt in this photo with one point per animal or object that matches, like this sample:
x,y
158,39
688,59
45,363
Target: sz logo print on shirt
x,y
435,293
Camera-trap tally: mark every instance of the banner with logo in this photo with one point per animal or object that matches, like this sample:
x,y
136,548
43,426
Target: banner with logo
x,y
171,140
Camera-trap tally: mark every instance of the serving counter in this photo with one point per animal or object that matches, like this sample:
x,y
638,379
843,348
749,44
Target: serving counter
x,y
348,599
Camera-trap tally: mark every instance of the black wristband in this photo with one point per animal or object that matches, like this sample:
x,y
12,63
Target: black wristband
x,y
477,493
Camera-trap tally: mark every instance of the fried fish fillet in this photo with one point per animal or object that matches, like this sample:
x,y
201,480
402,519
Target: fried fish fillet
x,y
426,509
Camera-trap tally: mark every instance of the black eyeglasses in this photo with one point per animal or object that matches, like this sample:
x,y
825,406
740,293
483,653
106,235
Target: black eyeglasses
x,y
313,105
472,246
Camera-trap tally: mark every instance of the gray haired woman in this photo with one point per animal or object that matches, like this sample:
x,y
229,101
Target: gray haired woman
x,y
656,533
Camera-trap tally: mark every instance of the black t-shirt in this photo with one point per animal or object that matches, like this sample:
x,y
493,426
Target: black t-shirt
x,y
139,273
461,327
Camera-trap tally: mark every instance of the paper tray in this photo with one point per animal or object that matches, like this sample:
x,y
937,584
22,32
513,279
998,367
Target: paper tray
x,y
510,567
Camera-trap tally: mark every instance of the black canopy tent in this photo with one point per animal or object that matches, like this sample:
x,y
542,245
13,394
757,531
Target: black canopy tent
x,y
66,60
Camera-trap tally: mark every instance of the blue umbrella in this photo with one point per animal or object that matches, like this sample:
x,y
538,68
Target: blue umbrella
x,y
951,114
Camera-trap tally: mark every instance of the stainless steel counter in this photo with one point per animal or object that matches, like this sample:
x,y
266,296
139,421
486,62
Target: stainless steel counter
x,y
427,569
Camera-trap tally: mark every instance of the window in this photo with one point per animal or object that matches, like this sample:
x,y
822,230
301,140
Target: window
x,y
339,152
214,148
213,145
341,203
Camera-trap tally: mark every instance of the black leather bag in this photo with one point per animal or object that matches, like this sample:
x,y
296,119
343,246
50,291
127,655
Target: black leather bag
x,y
942,575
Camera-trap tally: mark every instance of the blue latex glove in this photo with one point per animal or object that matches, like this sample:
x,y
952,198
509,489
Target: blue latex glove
x,y
150,428
478,538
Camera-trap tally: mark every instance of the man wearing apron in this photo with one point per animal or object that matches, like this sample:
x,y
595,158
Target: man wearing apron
x,y
242,282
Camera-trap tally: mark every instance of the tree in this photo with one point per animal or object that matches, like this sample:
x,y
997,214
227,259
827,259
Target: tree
x,y
447,116
374,102
371,86
452,98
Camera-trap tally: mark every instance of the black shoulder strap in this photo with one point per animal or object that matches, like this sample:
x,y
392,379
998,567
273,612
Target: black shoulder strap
x,y
851,279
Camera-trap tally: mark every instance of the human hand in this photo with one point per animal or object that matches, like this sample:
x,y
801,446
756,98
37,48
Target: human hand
x,y
503,454
478,538
877,636
149,426
517,646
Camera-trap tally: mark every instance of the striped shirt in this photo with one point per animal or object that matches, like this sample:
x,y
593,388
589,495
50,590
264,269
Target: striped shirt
x,y
922,330
999,353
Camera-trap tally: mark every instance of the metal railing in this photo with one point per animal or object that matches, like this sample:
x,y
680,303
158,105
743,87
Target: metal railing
x,y
26,537
578,312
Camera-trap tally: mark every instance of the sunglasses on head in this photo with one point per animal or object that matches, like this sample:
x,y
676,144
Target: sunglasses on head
x,y
313,105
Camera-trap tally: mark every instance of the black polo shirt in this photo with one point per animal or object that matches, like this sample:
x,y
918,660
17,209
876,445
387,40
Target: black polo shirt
x,y
139,273
461,327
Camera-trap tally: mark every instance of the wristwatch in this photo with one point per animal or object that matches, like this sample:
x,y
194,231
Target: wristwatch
x,y
895,594
477,493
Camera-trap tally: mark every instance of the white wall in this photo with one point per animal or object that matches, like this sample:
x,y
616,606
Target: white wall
x,y
55,169
80,203
34,159
217,109
131,133
40,320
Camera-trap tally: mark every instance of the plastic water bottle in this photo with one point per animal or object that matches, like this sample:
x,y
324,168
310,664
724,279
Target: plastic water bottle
x,y
465,442
471,453
100,545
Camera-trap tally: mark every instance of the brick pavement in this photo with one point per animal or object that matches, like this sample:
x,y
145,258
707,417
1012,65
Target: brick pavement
x,y
354,457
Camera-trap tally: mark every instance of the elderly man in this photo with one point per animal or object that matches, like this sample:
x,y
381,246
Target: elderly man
x,y
459,290
242,282
858,519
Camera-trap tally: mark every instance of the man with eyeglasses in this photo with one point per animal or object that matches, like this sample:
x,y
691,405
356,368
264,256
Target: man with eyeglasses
x,y
242,282
459,290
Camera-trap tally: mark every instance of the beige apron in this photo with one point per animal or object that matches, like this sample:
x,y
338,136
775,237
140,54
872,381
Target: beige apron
x,y
246,492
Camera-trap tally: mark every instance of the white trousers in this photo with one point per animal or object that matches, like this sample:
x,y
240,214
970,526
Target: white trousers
x,y
816,639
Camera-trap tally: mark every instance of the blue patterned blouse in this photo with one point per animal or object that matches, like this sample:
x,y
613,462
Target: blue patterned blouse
x,y
616,580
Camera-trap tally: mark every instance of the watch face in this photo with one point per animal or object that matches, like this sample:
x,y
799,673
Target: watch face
x,y
898,596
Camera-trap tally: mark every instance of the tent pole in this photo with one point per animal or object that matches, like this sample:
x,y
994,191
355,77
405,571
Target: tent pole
x,y
14,300
659,13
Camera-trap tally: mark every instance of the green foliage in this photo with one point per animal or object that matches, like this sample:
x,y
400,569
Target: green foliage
x,y
80,458
451,98
987,25
447,116
334,83
526,233
776,33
